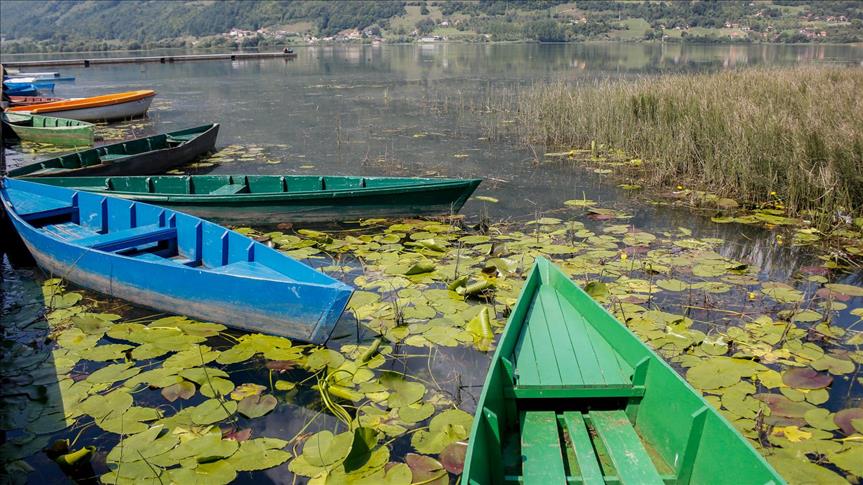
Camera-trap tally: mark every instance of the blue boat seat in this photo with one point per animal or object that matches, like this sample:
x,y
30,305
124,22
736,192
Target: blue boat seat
x,y
251,269
30,206
229,189
68,231
155,258
127,238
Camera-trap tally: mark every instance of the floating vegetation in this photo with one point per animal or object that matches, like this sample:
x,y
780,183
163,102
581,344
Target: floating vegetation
x,y
172,399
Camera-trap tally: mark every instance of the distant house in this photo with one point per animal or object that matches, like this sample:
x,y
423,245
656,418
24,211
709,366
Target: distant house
x,y
434,38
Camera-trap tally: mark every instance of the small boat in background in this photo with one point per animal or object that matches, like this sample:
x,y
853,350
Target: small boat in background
x,y
37,79
47,129
31,100
140,156
17,73
173,262
98,108
38,85
573,396
270,198
21,90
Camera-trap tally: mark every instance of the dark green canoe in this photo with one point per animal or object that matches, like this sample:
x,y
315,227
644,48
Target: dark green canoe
x,y
272,198
572,396
140,156
48,129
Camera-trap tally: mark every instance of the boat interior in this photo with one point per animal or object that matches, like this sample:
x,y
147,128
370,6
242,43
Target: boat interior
x,y
43,121
575,398
233,184
149,233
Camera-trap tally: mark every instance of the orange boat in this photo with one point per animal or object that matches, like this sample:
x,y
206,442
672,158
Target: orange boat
x,y
107,107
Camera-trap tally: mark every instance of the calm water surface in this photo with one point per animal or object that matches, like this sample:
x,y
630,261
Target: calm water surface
x,y
404,110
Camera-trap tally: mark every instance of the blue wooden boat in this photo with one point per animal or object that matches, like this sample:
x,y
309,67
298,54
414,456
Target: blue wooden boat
x,y
173,262
38,85
20,90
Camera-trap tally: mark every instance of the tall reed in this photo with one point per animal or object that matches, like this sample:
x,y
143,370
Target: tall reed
x,y
797,132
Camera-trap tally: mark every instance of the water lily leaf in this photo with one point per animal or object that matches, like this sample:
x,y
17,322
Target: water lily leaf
x,y
416,412
259,454
204,449
325,449
796,469
721,372
217,472
834,365
212,411
820,418
216,387
444,429
146,444
672,285
782,292
183,390
365,440
453,456
257,406
843,289
579,203
849,459
784,407
113,373
158,377
597,290
807,316
321,358
240,352
245,390
101,405
133,472
403,393
844,419
426,469
806,378
131,421
195,356
283,385
791,433
106,352
480,329
200,375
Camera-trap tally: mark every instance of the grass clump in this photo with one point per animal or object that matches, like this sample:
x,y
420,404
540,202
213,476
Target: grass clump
x,y
792,132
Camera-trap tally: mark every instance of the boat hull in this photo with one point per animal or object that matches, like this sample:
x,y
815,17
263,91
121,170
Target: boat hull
x,y
56,131
565,367
112,112
289,308
445,197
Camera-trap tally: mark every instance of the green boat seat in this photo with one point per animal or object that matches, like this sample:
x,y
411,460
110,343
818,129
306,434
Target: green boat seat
x,y
250,269
559,354
181,138
542,460
229,189
48,170
110,157
31,207
624,447
128,238
605,450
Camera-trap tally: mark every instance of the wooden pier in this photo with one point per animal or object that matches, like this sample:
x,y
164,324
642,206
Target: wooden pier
x,y
160,59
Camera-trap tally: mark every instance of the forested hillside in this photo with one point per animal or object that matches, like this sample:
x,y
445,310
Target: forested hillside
x,y
48,25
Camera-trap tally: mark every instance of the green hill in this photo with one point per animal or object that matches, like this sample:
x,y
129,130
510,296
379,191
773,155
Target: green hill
x,y
48,25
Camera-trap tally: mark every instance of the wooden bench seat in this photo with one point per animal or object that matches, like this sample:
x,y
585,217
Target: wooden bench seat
x,y
229,189
559,354
128,238
31,207
251,269
69,231
605,445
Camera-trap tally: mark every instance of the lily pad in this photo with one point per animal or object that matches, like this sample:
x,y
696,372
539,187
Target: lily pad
x,y
426,469
844,419
257,406
806,378
180,390
325,450
453,456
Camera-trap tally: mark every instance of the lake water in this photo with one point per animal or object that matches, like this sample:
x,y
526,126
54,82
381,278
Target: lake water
x,y
411,110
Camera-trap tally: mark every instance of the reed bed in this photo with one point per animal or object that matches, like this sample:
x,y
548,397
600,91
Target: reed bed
x,y
755,134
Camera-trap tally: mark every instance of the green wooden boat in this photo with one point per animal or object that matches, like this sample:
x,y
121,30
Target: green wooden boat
x,y
274,198
47,129
572,396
